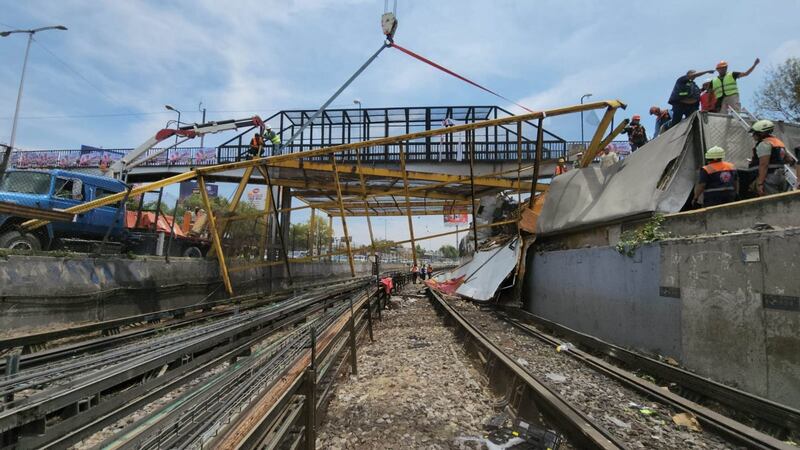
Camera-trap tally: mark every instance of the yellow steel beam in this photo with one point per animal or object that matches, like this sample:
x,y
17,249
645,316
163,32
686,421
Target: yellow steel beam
x,y
408,204
344,218
215,237
594,145
327,189
608,139
262,248
28,212
411,175
366,203
237,196
244,267
278,225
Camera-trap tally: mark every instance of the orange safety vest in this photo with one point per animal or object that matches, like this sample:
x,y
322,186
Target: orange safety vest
x,y
775,158
560,170
722,176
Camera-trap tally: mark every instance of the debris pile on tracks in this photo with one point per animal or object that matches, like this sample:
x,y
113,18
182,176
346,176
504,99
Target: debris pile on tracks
x,y
415,388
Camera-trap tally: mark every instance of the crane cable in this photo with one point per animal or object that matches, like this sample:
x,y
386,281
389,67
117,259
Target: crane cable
x,y
454,74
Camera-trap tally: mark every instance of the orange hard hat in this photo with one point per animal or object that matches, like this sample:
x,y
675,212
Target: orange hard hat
x,y
722,64
636,117
654,109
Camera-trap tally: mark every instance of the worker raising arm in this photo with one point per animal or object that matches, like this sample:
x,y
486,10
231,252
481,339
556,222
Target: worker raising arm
x,y
725,87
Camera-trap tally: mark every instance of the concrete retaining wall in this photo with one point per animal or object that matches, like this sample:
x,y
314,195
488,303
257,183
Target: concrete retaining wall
x,y
39,292
726,306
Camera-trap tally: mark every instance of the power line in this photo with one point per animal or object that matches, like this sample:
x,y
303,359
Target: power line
x,y
76,73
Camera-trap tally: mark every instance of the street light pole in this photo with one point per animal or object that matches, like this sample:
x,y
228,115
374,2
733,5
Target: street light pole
x,y
203,120
360,119
172,108
583,97
12,141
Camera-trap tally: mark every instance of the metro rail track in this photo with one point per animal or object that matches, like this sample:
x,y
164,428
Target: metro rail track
x,y
60,401
779,419
504,372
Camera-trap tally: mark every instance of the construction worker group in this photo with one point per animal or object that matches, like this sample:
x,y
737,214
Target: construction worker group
x,y
257,143
717,94
719,182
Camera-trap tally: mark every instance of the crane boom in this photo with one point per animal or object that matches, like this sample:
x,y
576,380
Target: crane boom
x,y
139,155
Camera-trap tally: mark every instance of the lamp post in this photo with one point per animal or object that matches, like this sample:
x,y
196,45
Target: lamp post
x,y
360,119
203,120
583,97
11,142
172,108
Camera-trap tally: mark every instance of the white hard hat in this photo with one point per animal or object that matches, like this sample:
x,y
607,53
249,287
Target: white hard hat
x,y
269,127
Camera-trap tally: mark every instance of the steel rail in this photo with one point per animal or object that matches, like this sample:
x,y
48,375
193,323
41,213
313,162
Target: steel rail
x,y
581,431
199,415
134,402
48,336
51,400
720,424
774,413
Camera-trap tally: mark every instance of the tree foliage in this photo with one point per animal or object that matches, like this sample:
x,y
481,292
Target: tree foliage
x,y
449,251
779,97
299,235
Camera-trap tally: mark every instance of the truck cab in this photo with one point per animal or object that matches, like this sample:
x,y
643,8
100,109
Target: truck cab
x,y
58,189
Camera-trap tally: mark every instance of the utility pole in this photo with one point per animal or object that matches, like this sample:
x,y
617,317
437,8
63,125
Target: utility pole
x,y
12,141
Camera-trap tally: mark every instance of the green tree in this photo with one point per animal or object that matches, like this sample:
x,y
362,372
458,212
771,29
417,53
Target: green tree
x,y
300,235
420,251
779,97
448,251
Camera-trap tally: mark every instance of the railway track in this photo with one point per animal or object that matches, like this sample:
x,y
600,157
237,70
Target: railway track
x,y
260,401
66,398
576,412
778,419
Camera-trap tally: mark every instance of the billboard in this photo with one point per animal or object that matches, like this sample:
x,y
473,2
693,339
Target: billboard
x,y
456,217
188,188
256,196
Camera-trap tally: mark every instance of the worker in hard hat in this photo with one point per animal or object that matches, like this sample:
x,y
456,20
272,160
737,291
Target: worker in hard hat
x,y
708,101
662,119
685,96
274,138
561,167
256,145
768,160
637,135
719,182
725,87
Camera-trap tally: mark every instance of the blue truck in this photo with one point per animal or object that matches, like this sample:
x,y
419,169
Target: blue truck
x,y
62,189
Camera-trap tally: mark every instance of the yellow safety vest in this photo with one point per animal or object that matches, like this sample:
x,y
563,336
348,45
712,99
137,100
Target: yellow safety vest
x,y
725,86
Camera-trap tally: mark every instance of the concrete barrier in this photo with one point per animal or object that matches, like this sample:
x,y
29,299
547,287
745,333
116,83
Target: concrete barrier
x,y
726,306
42,292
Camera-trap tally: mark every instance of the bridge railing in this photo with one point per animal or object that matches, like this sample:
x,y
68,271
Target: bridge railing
x,y
444,151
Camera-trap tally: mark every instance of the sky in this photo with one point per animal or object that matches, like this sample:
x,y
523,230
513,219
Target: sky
x,y
104,81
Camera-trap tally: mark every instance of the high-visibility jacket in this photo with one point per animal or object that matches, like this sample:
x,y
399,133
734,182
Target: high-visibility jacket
x,y
721,176
560,169
273,137
725,86
776,157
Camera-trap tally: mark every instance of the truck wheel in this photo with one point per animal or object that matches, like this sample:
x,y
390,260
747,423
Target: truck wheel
x,y
192,252
15,240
